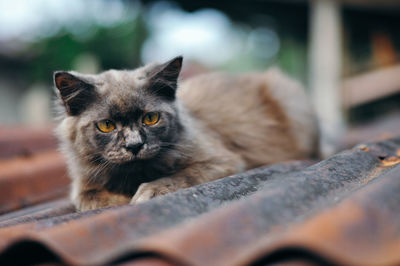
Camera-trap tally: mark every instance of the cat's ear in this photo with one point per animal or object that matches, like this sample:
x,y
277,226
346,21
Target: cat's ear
x,y
164,79
75,93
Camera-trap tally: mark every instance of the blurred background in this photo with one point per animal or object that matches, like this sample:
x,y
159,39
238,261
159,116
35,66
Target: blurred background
x,y
347,53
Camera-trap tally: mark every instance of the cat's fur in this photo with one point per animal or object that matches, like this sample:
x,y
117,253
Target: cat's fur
x,y
212,126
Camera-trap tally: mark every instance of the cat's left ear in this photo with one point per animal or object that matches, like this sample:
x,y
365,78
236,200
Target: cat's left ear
x,y
164,80
75,93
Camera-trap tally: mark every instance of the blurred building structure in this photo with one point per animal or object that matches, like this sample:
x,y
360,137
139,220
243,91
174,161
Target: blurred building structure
x,y
344,210
352,48
334,96
346,52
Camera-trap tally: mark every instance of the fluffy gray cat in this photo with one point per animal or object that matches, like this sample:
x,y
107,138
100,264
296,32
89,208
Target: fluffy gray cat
x,y
129,136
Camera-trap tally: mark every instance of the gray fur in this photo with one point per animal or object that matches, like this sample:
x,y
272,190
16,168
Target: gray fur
x,y
214,126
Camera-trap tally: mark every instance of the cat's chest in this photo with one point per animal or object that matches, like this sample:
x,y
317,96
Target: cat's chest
x,y
126,179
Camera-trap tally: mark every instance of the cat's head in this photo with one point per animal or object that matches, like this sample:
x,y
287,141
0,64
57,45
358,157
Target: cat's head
x,y
121,116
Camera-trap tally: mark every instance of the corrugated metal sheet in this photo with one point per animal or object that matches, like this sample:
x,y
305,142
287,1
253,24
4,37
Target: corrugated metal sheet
x,y
343,210
31,170
17,141
380,128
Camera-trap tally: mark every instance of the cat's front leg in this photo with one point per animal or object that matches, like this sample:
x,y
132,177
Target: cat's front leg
x,y
195,175
89,198
94,199
160,187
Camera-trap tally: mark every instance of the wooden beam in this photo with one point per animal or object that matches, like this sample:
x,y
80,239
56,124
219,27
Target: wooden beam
x,y
371,86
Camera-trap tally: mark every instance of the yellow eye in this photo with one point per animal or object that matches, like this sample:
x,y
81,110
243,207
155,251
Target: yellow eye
x,y
105,126
150,119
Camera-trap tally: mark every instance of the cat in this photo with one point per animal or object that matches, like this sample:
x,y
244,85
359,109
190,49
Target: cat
x,y
129,136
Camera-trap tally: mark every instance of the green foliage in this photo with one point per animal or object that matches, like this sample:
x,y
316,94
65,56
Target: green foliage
x,y
293,58
115,47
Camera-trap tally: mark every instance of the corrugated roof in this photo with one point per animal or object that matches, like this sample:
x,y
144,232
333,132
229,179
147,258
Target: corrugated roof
x,y
31,170
343,210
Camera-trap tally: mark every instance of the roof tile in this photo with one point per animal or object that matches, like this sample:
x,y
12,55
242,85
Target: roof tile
x,y
343,210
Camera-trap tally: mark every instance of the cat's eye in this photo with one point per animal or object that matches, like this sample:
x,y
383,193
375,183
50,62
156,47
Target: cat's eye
x,y
152,118
105,126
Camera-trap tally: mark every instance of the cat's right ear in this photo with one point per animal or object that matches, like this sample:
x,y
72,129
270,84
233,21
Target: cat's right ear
x,y
164,78
75,93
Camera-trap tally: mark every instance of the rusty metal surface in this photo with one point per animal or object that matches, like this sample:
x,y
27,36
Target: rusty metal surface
x,y
263,220
37,212
184,204
23,141
31,170
363,229
29,180
125,223
380,128
343,210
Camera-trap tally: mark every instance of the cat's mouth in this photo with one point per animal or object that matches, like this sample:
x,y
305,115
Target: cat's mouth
x,y
124,156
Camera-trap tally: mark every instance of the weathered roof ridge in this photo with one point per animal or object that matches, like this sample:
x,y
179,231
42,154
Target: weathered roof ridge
x,y
326,211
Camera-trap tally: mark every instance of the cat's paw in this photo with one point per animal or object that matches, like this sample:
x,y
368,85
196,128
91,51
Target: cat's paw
x,y
83,206
95,199
148,191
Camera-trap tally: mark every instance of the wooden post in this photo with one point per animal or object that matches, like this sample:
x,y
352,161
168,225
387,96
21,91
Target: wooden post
x,y
325,71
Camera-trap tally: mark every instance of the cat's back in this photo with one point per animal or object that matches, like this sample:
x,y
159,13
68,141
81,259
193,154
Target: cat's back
x,y
265,117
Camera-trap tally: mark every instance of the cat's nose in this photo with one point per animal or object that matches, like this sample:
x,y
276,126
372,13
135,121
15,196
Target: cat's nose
x,y
134,147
